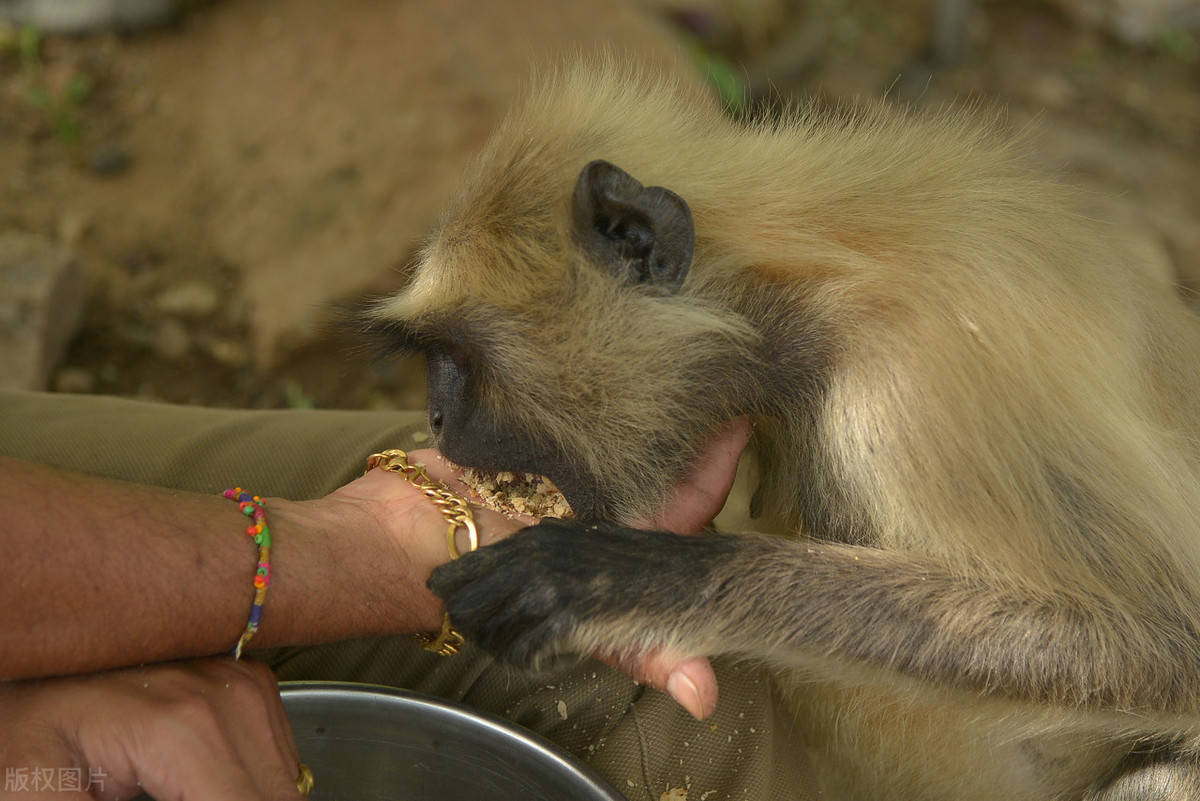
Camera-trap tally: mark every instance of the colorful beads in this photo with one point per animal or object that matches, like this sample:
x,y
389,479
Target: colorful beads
x,y
252,506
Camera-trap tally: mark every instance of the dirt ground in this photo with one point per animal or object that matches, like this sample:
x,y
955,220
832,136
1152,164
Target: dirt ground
x,y
169,312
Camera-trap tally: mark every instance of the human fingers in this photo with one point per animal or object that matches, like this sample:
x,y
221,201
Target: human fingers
x,y
245,696
692,505
209,729
268,691
698,497
255,720
689,680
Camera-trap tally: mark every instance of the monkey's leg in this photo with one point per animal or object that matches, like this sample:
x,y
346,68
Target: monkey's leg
x,y
560,587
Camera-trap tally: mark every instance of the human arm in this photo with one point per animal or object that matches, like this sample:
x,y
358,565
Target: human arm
x,y
101,573
97,579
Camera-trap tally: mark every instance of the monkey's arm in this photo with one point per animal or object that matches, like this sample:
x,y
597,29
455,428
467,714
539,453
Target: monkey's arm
x,y
557,587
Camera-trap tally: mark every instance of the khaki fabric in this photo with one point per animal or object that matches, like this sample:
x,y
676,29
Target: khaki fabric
x,y
635,736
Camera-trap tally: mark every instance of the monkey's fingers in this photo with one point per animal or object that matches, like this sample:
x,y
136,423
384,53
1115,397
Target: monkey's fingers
x,y
506,602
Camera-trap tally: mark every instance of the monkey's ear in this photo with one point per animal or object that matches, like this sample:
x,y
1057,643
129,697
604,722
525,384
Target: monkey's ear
x,y
643,235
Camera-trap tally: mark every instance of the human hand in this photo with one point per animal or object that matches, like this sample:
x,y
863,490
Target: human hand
x,y
393,519
415,525
693,504
207,730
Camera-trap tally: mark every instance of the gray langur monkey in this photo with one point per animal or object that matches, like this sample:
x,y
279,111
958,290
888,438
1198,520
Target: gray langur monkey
x,y
982,423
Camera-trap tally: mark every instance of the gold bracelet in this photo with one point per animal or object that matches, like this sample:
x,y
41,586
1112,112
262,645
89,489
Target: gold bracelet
x,y
458,515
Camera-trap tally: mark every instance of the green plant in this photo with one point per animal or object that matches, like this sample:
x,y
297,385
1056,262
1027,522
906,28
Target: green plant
x,y
1179,44
720,75
295,397
61,106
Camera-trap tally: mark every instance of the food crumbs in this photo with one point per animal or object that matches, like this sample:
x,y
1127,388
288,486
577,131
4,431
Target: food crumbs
x,y
561,706
674,794
511,494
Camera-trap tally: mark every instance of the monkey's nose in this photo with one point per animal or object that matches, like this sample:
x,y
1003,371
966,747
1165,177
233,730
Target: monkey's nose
x,y
435,420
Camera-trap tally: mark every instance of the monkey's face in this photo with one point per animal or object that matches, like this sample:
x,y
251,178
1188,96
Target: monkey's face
x,y
563,340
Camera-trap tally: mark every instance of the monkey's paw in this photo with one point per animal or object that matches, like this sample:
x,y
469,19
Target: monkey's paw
x,y
563,587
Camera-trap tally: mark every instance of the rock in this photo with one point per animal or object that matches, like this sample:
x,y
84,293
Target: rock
x,y
88,16
229,352
41,301
110,160
74,379
72,226
193,299
171,340
1135,22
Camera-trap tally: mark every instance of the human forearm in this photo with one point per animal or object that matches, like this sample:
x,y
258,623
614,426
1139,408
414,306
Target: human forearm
x,y
101,573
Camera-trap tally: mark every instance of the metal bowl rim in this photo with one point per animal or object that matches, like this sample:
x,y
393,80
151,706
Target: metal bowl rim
x,y
495,725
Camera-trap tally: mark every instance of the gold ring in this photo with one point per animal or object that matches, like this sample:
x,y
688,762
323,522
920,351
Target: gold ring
x,y
304,782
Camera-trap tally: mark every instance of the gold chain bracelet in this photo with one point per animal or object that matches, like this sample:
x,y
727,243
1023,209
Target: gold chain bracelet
x,y
458,515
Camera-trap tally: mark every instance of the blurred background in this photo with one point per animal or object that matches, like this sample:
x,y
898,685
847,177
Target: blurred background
x,y
188,189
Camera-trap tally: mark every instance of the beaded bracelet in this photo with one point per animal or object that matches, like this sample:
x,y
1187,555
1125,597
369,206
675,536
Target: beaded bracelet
x,y
252,506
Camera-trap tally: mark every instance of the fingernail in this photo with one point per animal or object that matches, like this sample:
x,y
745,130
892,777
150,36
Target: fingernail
x,y
683,690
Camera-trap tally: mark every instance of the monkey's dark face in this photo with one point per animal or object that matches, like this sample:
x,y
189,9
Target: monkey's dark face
x,y
469,433
566,344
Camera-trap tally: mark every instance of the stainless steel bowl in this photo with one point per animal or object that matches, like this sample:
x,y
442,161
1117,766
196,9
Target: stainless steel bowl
x,y
369,743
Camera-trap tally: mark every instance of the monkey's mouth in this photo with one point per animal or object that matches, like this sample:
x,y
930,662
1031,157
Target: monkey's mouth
x,y
533,493
581,494
576,489
517,493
